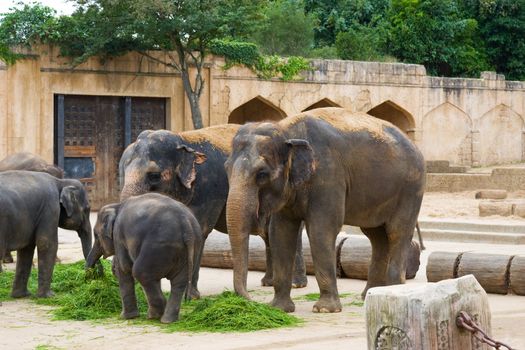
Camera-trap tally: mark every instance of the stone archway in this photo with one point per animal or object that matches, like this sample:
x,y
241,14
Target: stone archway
x,y
501,136
256,110
396,115
447,135
325,102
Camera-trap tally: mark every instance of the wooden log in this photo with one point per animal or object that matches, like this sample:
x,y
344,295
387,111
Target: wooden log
x,y
488,208
424,317
491,270
442,265
356,253
491,194
517,275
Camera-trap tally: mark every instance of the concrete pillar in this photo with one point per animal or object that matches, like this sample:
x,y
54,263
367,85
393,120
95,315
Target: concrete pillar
x,y
476,148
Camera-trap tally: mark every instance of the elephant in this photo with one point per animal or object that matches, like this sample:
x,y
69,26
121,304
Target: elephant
x,y
326,167
152,237
189,167
34,205
32,162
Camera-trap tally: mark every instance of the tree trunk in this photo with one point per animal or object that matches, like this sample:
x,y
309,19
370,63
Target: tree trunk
x,y
193,98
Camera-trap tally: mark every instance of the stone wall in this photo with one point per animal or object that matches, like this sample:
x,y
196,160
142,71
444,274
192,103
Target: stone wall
x,y
501,179
468,122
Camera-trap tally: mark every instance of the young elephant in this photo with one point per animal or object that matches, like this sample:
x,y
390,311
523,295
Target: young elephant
x,y
33,206
152,237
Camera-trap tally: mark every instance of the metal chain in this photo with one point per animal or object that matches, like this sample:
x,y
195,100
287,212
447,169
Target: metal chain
x,y
465,321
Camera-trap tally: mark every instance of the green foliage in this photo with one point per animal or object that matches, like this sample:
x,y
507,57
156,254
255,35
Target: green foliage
x,y
286,30
434,33
285,68
326,52
360,43
236,52
355,299
80,296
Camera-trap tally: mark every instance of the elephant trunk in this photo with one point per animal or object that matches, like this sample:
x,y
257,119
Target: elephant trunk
x,y
94,255
84,233
241,209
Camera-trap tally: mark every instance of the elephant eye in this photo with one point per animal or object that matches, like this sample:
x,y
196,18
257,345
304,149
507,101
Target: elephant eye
x,y
262,176
153,177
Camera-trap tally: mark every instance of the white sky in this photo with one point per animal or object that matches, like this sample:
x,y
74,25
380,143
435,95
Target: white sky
x,y
63,7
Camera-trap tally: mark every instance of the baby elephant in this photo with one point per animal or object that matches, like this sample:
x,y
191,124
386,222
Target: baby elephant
x,y
152,237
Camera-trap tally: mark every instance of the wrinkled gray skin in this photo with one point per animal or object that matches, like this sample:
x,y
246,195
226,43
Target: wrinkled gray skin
x,y
152,237
31,162
326,167
192,172
33,206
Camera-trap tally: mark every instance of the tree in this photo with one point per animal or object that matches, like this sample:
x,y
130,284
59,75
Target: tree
x,y
108,28
286,30
434,33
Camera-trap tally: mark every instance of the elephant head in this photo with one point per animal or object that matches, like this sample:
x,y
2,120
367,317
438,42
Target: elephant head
x,y
265,170
103,234
159,161
74,212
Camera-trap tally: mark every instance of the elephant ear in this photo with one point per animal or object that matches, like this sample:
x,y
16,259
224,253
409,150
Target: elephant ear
x,y
186,169
110,214
301,161
68,198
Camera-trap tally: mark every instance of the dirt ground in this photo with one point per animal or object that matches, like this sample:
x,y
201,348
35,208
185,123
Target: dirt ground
x,y
24,325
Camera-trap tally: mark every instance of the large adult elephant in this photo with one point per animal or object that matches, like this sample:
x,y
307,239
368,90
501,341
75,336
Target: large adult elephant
x,y
34,205
189,167
31,162
328,167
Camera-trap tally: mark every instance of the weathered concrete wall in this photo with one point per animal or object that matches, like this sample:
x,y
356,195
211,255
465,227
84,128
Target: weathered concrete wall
x,y
465,121
500,179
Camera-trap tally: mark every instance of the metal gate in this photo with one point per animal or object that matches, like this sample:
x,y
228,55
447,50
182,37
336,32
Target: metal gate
x,y
91,133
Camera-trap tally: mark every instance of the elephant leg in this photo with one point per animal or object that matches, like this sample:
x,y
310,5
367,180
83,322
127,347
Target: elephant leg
x,y
126,284
283,241
178,284
193,293
299,274
151,286
8,258
24,261
377,270
267,280
322,235
399,237
47,246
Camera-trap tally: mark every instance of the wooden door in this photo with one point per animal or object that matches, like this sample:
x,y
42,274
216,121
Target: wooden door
x,y
91,133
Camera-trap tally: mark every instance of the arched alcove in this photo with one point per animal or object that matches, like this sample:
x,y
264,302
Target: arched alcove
x,y
501,133
325,102
447,135
396,115
256,110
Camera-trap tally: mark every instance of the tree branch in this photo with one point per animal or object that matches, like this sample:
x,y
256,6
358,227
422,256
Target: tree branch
x,y
155,59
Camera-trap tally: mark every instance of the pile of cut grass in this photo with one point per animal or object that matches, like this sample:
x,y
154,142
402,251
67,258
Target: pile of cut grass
x,y
84,296
355,299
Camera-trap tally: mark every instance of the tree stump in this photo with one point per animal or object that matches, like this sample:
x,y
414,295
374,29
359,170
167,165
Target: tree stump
x,y
442,266
517,275
491,270
491,194
424,317
356,253
488,208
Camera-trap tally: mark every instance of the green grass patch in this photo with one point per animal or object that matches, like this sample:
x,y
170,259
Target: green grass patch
x,y
80,295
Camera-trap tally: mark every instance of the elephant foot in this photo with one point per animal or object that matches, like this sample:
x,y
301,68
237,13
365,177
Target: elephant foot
x,y
154,314
20,294
169,318
45,294
267,281
192,293
127,315
327,306
299,282
286,305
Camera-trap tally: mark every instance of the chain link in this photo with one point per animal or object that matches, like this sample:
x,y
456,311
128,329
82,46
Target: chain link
x,y
465,321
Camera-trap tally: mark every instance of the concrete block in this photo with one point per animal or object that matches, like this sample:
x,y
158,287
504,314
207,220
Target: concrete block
x,y
491,194
488,208
424,317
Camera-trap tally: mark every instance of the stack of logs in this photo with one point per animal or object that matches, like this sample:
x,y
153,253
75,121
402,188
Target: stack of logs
x,y
353,255
497,273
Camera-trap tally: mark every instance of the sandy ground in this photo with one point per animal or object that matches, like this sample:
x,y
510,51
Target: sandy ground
x,y
24,325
